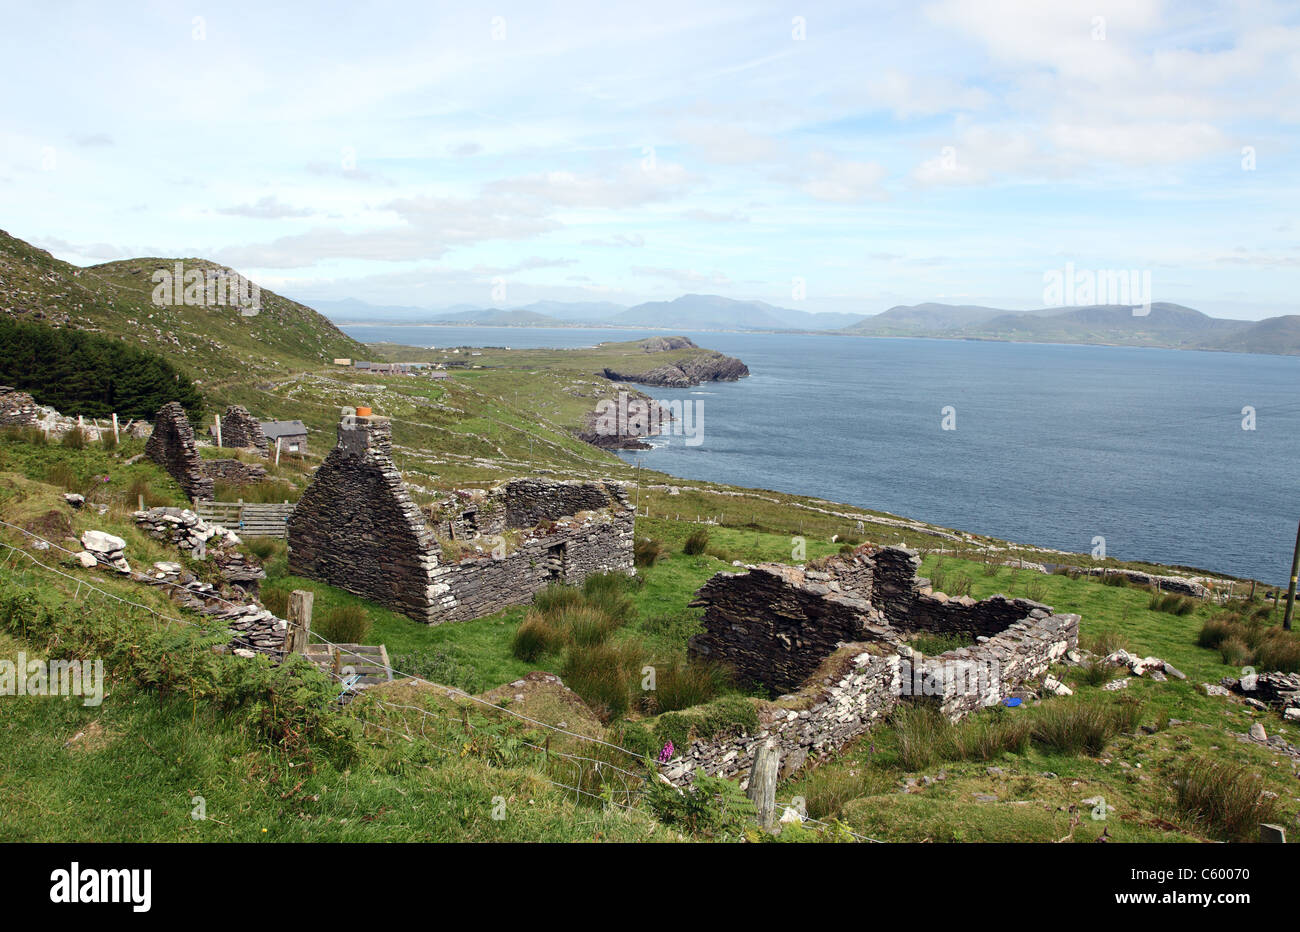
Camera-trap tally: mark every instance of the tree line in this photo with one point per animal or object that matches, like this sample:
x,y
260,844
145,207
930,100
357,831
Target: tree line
x,y
88,374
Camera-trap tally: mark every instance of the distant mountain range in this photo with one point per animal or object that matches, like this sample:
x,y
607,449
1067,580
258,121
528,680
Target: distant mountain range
x,y
694,311
1164,324
1167,325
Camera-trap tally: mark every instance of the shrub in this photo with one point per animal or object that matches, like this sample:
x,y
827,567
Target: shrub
x,y
1224,798
648,551
683,685
601,675
1171,603
711,807
1280,652
554,599
585,625
828,789
345,624
924,735
1235,652
1071,726
29,434
1035,589
74,439
697,543
959,586
1096,673
989,735
606,591
1215,631
108,440
1119,580
534,637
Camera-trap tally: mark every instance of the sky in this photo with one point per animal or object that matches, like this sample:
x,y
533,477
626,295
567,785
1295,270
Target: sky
x,y
822,156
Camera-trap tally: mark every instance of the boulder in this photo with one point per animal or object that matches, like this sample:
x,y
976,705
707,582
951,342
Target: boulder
x,y
102,542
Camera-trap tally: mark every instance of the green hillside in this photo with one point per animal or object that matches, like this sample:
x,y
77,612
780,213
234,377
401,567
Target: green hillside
x,y
215,345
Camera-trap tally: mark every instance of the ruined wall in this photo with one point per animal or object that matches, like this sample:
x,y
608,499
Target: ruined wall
x,y
17,409
357,528
573,550
528,501
241,429
826,715
171,445
234,471
774,624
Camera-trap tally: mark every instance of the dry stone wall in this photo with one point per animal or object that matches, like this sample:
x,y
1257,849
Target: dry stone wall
x,y
18,409
773,623
239,429
357,528
171,445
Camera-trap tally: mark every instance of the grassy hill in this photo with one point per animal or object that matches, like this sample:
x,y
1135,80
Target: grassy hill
x,y
214,345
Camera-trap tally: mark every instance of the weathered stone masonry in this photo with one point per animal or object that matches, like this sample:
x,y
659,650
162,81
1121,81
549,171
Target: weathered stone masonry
x,y
357,528
775,622
172,446
239,429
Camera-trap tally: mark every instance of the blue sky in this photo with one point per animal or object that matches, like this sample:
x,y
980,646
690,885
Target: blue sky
x,y
421,153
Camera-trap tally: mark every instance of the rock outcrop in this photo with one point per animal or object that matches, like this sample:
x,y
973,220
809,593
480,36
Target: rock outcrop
x,y
687,373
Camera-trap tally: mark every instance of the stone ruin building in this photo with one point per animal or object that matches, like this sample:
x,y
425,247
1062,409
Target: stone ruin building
x,y
172,446
831,644
357,528
240,430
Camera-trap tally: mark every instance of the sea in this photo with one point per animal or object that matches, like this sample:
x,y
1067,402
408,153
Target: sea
x,y
1169,456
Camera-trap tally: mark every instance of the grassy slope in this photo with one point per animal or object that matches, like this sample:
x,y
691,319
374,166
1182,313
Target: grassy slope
x,y
216,346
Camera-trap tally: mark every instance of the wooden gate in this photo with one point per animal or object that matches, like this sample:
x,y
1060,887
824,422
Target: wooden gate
x,y
250,519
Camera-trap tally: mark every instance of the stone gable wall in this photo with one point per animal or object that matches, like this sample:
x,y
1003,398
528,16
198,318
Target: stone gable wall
x,y
357,528
775,624
171,445
239,429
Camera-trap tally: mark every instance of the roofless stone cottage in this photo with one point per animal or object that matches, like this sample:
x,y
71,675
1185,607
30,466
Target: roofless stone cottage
x,y
357,528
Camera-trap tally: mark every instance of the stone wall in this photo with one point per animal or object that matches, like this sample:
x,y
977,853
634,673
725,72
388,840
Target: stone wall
x,y
17,409
233,471
357,528
784,628
171,445
239,429
774,624
867,684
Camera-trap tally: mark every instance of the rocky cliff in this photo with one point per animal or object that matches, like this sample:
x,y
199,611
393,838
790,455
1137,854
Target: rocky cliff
x,y
706,366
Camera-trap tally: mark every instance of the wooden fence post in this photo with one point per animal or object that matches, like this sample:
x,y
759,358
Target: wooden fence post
x,y
116,436
762,782
218,430
300,602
